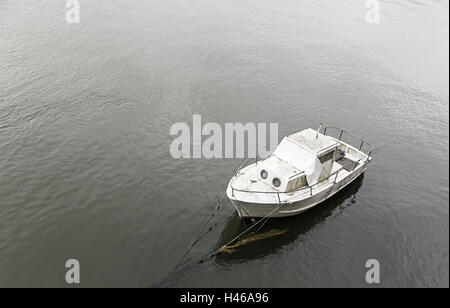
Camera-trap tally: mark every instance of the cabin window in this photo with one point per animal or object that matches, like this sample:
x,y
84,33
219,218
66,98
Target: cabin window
x,y
264,174
276,182
296,183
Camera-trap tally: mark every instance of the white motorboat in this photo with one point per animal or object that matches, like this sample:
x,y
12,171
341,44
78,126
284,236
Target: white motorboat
x,y
305,169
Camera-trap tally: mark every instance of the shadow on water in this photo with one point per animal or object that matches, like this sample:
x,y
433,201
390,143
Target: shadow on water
x,y
284,230
272,237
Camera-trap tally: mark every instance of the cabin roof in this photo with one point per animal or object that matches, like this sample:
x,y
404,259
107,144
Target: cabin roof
x,y
308,141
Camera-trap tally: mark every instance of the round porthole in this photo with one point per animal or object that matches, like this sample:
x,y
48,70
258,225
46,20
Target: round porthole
x,y
276,182
264,174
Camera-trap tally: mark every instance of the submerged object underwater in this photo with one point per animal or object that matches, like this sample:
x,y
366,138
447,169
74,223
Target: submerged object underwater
x,y
252,237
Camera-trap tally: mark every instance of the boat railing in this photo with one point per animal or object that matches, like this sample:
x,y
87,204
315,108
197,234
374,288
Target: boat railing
x,y
305,188
356,142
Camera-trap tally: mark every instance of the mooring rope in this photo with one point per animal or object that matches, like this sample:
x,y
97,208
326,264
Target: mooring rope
x,y
262,225
215,252
204,230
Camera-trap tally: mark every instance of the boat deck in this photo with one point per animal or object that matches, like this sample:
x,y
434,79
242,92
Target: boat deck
x,y
347,163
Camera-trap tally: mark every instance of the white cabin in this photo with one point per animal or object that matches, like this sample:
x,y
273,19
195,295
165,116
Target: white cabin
x,y
303,158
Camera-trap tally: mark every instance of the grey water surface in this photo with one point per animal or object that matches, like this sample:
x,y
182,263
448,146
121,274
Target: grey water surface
x,y
85,114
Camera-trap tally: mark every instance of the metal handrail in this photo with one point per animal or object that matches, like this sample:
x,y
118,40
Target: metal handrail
x,y
342,131
310,187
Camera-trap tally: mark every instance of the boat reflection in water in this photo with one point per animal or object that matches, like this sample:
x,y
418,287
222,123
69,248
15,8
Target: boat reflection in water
x,y
277,233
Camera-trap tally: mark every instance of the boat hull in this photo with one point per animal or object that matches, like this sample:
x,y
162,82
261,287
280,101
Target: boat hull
x,y
285,209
